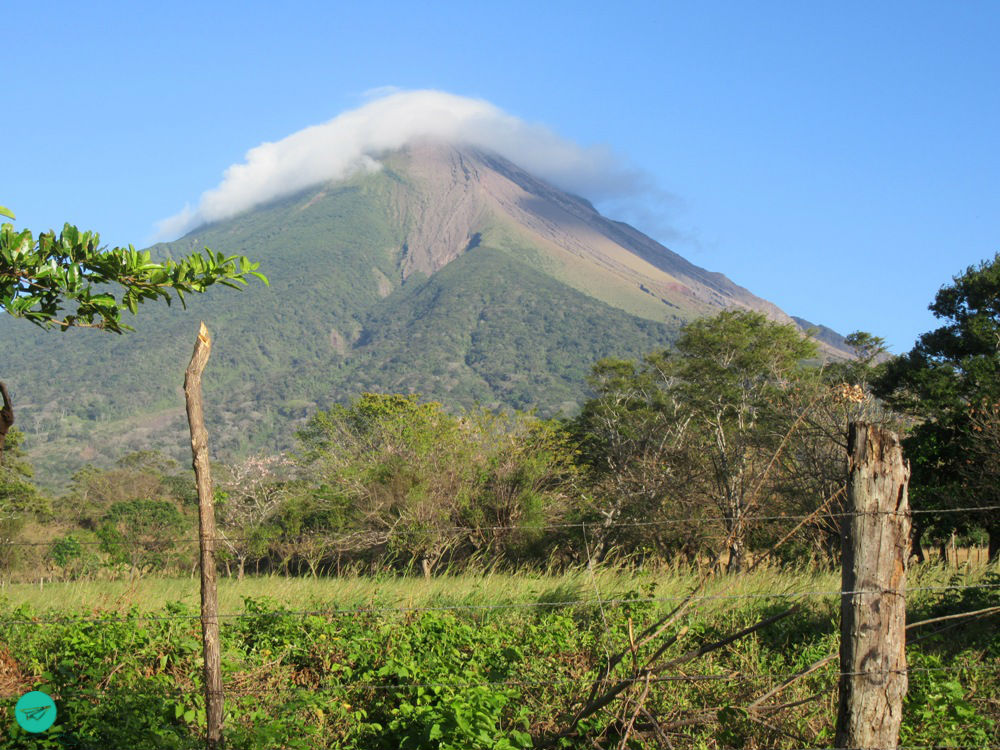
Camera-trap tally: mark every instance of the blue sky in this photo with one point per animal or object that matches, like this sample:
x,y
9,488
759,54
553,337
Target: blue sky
x,y
839,159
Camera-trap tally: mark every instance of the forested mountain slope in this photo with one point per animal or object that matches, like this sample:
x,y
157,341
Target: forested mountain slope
x,y
448,272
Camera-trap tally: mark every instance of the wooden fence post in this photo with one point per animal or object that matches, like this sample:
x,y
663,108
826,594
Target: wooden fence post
x,y
876,550
206,539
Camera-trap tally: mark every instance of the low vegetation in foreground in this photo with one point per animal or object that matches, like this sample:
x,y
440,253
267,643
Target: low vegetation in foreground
x,y
483,661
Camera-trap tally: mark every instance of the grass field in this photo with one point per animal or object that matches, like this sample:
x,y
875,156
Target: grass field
x,y
477,589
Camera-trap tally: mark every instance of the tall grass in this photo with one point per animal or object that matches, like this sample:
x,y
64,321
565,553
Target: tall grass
x,y
488,588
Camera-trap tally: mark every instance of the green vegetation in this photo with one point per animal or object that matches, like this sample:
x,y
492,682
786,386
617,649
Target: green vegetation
x,y
492,331
491,661
412,576
729,429
729,436
949,383
338,320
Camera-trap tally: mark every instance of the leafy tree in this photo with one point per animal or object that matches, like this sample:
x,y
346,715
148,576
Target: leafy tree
x,y
702,423
980,471
390,472
869,357
137,475
949,372
813,465
68,553
637,446
527,479
405,469
733,372
140,533
19,499
251,494
17,492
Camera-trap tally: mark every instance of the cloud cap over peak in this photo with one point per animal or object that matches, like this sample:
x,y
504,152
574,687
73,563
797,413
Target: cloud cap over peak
x,y
351,141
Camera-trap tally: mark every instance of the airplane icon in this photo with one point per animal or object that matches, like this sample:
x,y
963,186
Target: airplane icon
x,y
35,713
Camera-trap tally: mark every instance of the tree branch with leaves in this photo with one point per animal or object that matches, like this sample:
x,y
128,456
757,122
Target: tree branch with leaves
x,y
68,280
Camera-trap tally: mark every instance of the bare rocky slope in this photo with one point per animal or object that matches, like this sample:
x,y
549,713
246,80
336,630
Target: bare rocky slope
x,y
468,194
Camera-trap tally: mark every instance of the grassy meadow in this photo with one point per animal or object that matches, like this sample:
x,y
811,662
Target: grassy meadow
x,y
486,589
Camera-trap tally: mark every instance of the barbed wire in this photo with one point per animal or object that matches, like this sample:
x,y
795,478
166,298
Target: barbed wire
x,y
593,525
326,688
619,601
745,677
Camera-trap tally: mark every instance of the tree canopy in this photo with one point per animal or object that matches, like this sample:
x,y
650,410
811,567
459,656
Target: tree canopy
x,y
423,484
702,423
950,375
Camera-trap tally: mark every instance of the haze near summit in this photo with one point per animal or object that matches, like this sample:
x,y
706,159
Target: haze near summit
x,y
352,141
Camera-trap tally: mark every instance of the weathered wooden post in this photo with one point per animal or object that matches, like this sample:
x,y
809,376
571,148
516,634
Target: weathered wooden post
x,y
876,548
206,538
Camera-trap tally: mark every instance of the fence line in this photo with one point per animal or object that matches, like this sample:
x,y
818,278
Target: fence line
x,y
600,602
624,601
679,677
744,677
345,536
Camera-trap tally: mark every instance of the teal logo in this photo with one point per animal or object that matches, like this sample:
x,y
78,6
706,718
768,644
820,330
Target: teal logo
x,y
35,712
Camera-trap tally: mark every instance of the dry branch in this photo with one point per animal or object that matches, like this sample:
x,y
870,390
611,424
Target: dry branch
x,y
6,417
648,670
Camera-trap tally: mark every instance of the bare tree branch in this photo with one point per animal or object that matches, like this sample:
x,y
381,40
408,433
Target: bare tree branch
x,y
6,417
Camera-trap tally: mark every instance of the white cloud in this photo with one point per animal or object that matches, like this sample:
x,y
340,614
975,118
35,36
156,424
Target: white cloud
x,y
353,140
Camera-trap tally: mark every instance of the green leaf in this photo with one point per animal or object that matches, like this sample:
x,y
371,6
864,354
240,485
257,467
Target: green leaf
x,y
4,211
104,300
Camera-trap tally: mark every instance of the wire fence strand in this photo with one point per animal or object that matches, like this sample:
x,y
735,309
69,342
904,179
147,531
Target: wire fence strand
x,y
596,602
433,530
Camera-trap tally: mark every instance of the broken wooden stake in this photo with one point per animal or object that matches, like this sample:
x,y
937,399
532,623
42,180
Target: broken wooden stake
x,y
876,548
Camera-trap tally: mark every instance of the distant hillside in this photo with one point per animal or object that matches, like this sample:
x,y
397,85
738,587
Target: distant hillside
x,y
448,272
824,335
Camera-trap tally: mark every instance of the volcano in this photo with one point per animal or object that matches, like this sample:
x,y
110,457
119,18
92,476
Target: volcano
x,y
446,271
